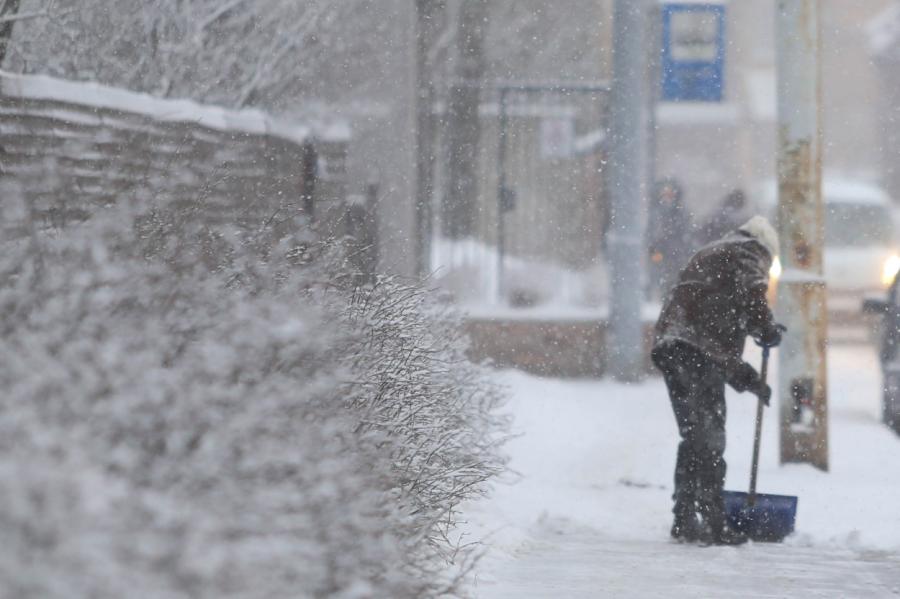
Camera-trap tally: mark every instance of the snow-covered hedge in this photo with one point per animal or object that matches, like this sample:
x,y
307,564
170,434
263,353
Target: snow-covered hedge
x,y
190,412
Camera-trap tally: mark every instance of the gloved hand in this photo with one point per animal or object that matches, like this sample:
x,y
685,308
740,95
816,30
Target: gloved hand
x,y
764,392
744,378
771,337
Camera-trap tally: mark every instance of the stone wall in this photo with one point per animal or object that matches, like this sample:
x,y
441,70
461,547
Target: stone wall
x,y
71,147
558,348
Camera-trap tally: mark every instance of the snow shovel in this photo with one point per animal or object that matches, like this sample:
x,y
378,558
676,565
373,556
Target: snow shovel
x,y
761,517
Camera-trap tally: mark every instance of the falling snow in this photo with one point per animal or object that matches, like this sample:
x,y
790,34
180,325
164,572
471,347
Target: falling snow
x,y
372,298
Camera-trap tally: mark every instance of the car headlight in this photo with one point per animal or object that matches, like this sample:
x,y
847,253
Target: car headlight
x,y
775,269
890,269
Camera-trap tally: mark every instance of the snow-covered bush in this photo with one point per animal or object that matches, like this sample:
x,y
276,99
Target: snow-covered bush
x,y
420,392
191,412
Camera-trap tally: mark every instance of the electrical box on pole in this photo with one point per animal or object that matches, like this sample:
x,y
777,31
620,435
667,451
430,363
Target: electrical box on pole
x,y
801,294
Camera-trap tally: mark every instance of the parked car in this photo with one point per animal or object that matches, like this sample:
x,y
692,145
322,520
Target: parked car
x,y
889,351
861,250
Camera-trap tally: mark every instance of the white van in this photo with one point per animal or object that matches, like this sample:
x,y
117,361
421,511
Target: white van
x,y
861,250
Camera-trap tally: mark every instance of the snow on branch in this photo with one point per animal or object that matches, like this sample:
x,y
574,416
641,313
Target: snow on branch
x,y
237,53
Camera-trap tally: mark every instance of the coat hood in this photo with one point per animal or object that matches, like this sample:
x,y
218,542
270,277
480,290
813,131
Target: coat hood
x,y
762,231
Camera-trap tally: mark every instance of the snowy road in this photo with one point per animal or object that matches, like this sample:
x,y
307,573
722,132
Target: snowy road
x,y
588,513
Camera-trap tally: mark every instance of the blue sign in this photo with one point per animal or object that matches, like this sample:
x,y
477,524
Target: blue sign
x,y
693,52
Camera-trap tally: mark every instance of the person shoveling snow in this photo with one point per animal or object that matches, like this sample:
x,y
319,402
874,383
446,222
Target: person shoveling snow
x,y
718,300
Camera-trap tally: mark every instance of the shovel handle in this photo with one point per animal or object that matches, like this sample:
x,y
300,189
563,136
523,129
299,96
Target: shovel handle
x,y
763,373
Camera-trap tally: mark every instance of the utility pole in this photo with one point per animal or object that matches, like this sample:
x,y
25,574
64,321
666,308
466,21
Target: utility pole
x,y
802,294
429,14
654,70
464,129
628,137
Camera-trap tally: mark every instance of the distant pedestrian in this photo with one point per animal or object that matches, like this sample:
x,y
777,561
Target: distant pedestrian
x,y
726,218
668,236
719,299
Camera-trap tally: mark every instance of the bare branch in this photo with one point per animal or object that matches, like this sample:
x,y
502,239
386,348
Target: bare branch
x,y
27,16
288,42
217,14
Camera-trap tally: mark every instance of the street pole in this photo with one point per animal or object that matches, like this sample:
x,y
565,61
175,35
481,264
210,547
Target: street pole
x,y
429,14
628,137
503,194
654,71
801,294
463,125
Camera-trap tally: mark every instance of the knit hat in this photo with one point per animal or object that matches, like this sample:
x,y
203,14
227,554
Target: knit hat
x,y
760,230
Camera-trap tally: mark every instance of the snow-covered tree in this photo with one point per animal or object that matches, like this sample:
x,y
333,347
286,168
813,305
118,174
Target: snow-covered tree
x,y
232,52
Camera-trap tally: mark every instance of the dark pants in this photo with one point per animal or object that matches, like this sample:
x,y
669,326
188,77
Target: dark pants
x,y
697,391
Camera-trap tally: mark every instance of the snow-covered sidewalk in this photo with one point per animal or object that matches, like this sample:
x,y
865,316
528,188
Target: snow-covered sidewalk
x,y
588,515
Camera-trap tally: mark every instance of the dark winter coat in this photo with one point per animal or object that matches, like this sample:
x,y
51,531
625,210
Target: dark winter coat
x,y
719,299
669,233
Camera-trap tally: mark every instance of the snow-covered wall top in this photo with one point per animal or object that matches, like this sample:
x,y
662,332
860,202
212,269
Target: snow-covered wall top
x,y
71,147
42,87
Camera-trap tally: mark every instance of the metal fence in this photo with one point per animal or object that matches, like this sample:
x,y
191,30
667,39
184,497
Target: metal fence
x,y
541,208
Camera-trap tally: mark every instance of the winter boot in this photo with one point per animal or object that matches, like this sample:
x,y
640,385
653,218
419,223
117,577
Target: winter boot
x,y
720,531
725,535
686,527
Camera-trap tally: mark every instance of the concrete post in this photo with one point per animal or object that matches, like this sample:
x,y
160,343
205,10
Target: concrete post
x,y
460,204
628,141
503,195
801,295
429,14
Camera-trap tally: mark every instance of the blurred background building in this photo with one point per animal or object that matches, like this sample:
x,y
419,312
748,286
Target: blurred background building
x,y
556,225
420,83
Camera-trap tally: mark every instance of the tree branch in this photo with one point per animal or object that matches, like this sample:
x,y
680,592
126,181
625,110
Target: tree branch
x,y
218,14
265,66
40,14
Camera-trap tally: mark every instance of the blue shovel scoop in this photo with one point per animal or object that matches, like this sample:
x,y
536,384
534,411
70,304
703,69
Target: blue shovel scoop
x,y
760,516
